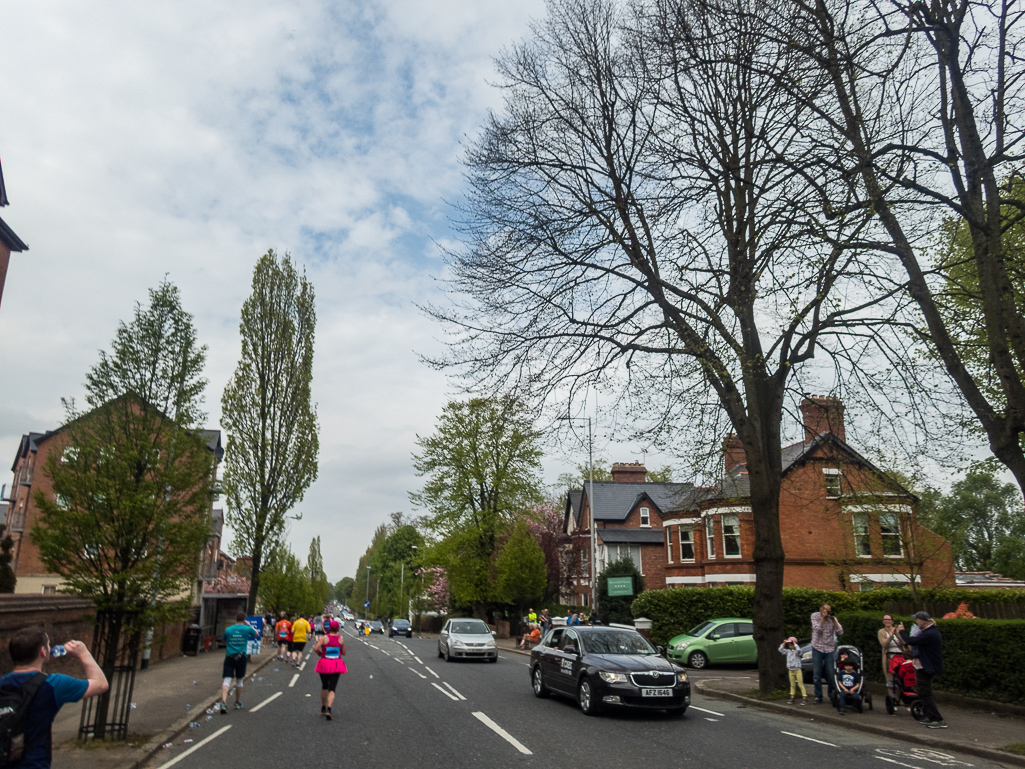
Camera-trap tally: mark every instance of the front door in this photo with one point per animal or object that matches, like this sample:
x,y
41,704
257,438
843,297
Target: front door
x,y
722,649
551,659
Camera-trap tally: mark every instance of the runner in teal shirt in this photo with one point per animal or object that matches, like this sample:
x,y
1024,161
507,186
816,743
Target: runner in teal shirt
x,y
236,637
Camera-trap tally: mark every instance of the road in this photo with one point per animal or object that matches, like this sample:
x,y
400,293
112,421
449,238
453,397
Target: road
x,y
399,705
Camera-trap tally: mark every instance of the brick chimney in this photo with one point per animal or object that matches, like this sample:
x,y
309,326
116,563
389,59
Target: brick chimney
x,y
822,414
629,472
733,453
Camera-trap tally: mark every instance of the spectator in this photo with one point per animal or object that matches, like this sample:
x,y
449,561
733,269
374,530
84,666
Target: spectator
x,y
824,629
30,650
546,620
849,683
928,645
891,645
532,636
531,616
792,651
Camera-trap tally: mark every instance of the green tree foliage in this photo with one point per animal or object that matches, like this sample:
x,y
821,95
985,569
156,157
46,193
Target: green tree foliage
x,y
521,572
315,566
617,608
481,467
396,563
365,586
984,521
8,580
130,511
343,590
267,411
287,587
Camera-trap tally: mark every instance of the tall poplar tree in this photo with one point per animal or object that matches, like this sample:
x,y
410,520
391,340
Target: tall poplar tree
x,y
271,454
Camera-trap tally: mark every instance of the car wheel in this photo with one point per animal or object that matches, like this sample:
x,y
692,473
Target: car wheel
x,y
585,696
537,682
698,660
440,653
493,659
448,657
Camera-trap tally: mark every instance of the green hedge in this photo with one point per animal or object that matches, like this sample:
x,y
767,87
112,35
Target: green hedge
x,y
981,657
677,610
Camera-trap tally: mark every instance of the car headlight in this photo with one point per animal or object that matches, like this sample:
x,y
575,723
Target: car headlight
x,y
681,678
458,644
806,656
490,644
613,678
680,646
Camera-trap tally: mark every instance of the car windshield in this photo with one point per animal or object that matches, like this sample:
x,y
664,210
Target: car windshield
x,y
470,628
618,642
375,623
701,629
400,623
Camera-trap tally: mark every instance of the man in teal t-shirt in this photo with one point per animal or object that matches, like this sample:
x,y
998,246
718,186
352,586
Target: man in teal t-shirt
x,y
236,638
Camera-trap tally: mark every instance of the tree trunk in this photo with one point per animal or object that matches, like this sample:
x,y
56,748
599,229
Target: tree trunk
x,y
254,578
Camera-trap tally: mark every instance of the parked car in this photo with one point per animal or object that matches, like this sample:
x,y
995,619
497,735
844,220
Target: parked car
x,y
400,627
606,666
728,639
467,639
376,626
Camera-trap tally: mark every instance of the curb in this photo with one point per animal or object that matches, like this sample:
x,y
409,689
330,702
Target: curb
x,y
826,717
179,727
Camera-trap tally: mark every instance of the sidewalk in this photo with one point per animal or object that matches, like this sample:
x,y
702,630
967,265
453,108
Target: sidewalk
x,y
167,697
977,732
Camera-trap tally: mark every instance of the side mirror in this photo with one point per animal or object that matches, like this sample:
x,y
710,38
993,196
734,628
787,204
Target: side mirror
x,y
715,637
661,650
494,634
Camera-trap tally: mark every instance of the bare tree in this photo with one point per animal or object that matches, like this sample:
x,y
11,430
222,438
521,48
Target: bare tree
x,y
647,212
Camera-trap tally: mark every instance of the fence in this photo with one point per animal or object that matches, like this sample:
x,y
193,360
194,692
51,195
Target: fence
x,y
939,608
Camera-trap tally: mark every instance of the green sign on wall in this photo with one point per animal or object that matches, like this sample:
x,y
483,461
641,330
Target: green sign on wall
x,y
621,586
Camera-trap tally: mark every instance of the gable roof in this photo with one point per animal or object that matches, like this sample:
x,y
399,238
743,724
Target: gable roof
x,y
574,501
614,501
12,241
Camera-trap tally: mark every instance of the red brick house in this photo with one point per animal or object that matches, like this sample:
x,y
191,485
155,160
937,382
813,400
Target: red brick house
x,y
845,524
628,514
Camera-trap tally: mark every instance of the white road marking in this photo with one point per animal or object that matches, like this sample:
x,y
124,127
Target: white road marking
x,y
196,747
294,679
266,701
418,659
303,666
898,763
810,739
450,686
503,734
431,672
372,646
450,696
418,673
713,720
695,707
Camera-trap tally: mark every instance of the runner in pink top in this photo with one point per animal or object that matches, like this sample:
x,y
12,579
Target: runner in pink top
x,y
330,648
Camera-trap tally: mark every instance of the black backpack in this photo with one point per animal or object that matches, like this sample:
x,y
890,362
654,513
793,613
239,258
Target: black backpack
x,y
14,702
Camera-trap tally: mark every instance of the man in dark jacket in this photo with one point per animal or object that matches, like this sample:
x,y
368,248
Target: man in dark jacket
x,y
928,664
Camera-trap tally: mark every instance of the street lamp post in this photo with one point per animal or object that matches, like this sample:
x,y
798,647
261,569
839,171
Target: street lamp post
x,y
592,577
365,602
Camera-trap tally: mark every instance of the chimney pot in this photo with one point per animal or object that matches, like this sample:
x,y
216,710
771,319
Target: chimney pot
x,y
823,414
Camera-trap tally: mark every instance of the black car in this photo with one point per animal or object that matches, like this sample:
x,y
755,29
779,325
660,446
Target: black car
x,y
400,627
376,626
606,666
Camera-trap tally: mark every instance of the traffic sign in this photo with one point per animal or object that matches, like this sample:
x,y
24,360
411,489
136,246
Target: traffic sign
x,y
366,604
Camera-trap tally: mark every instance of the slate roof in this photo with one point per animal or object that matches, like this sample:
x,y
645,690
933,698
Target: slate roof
x,y
631,536
11,240
614,501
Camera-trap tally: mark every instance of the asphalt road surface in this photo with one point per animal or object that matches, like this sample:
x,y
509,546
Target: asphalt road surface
x,y
399,705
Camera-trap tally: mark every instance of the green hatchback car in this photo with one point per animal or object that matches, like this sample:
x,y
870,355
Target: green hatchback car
x,y
729,639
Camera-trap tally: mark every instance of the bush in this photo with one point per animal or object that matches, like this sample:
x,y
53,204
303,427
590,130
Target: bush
x,y
617,608
677,610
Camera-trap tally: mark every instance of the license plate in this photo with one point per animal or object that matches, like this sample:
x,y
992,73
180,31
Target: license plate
x,y
656,692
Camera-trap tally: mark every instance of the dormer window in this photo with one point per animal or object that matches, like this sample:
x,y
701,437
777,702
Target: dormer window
x,y
645,517
832,482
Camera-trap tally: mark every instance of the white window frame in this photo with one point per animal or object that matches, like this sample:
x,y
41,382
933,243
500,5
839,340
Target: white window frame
x,y
710,538
734,520
669,544
833,476
861,533
894,516
690,541
645,518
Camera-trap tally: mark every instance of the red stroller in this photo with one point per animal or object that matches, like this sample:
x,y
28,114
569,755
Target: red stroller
x,y
903,691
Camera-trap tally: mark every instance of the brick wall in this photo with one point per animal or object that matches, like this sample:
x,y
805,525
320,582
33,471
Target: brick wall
x,y
26,554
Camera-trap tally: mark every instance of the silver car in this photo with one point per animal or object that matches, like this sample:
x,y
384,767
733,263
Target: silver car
x,y
467,639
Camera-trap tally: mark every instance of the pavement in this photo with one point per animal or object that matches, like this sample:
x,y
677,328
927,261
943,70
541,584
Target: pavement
x,y
174,693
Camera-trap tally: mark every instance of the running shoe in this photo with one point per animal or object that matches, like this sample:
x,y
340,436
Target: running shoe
x,y
239,706
937,724
224,708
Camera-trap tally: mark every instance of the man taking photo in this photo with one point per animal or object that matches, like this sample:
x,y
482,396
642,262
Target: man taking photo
x,y
824,629
30,650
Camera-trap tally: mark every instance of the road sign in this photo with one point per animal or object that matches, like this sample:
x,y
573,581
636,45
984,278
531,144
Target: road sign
x,y
621,586
366,604
253,645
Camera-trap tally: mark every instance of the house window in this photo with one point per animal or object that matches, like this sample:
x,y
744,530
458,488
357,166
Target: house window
x,y
61,501
686,544
584,571
669,543
710,537
862,547
49,589
645,517
832,482
731,535
584,598
889,527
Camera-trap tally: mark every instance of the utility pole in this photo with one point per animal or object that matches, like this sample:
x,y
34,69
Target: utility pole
x,y
368,589
593,566
402,581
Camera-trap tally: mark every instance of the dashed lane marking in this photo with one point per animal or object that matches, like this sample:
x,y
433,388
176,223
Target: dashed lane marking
x,y
418,673
431,672
703,710
443,691
197,746
810,739
303,666
294,679
503,734
418,659
266,701
450,686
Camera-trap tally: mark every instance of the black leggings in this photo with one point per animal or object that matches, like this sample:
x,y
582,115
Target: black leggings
x,y
328,681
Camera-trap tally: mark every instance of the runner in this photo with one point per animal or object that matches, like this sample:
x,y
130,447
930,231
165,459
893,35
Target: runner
x,y
300,629
236,639
330,666
283,632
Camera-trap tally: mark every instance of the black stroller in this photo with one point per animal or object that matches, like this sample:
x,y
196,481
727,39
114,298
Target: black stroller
x,y
863,696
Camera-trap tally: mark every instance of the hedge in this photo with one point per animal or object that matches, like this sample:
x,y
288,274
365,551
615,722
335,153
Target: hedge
x,y
677,610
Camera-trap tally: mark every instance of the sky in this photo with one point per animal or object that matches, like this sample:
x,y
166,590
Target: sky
x,y
183,139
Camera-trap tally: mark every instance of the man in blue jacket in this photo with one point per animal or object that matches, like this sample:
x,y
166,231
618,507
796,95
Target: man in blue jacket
x,y
928,664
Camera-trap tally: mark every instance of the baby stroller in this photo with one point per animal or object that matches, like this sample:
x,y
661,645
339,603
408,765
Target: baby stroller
x,y
863,696
903,691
